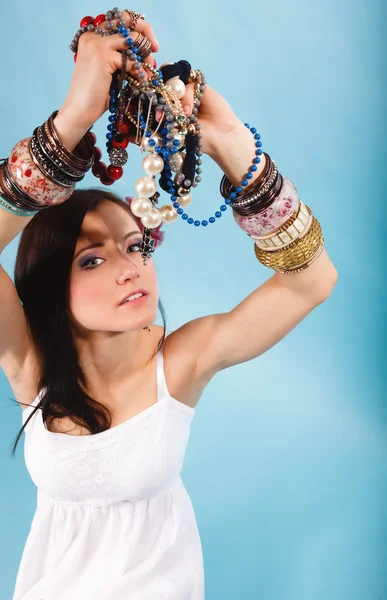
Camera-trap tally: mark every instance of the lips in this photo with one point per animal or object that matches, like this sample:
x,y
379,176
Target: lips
x,y
140,291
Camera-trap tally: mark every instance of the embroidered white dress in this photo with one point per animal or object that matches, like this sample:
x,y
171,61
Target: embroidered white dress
x,y
113,519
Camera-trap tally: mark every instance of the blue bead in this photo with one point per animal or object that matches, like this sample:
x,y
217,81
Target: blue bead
x,y
174,150
163,131
257,160
167,167
212,219
112,118
173,190
113,100
258,152
148,133
223,207
249,175
176,205
158,149
190,221
247,125
184,217
173,198
112,109
204,223
110,127
228,201
125,33
152,143
129,41
109,136
107,144
245,182
238,189
155,82
176,142
253,168
218,214
233,195
257,136
258,144
180,211
253,130
197,223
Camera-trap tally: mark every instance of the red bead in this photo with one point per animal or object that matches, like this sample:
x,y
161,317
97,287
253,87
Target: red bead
x,y
99,20
114,172
92,137
97,154
75,57
86,21
122,144
106,180
98,169
124,127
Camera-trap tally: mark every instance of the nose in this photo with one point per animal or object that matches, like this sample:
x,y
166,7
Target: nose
x,y
128,269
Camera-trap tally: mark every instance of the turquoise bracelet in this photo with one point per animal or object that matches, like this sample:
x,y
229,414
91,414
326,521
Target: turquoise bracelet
x,y
16,211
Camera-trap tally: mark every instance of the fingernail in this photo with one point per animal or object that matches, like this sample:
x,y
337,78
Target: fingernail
x,y
154,63
157,45
187,110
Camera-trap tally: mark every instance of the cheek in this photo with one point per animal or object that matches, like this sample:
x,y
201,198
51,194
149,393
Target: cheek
x,y
86,294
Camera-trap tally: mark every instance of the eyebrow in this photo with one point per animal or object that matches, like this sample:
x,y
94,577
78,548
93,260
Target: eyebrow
x,y
101,244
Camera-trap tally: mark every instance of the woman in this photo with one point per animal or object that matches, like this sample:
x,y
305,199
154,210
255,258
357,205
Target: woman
x,y
107,398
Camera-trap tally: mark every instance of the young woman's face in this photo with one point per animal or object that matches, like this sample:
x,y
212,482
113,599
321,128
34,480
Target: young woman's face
x,y
101,277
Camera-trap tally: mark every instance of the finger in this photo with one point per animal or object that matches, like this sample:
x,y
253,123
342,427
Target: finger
x,y
188,99
143,27
117,42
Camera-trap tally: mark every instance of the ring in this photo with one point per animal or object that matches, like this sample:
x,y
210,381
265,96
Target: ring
x,y
134,16
143,45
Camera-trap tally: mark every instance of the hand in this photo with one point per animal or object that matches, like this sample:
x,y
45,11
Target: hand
x,y
215,116
98,59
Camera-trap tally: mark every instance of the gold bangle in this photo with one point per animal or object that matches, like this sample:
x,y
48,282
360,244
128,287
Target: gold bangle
x,y
308,263
295,253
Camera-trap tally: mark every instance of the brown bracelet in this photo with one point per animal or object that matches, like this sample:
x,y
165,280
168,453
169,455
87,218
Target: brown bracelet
x,y
12,193
73,159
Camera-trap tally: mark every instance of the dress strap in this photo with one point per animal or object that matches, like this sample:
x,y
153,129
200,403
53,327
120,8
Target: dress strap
x,y
162,390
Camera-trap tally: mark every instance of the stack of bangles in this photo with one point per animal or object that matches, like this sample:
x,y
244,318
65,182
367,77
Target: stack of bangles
x,y
41,172
288,238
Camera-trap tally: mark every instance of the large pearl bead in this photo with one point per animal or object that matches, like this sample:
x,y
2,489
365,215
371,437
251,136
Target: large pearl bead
x,y
156,137
153,164
141,206
184,200
176,161
145,187
168,213
177,85
153,219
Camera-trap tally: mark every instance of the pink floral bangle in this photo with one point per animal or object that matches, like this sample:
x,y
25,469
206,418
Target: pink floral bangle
x,y
272,218
31,181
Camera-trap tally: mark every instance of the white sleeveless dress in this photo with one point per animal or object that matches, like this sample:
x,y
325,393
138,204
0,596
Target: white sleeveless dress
x,y
113,519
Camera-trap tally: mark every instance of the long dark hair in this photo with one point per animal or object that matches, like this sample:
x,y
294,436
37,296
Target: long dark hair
x,y
42,280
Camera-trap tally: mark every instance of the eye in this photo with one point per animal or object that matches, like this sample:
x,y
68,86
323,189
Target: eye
x,y
87,264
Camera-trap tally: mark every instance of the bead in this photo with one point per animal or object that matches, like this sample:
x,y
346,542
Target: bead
x,y
91,137
98,169
146,187
106,180
99,20
97,152
114,172
141,206
118,157
86,21
120,143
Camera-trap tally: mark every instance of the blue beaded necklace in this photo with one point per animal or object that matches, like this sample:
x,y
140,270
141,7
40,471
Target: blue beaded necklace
x,y
166,152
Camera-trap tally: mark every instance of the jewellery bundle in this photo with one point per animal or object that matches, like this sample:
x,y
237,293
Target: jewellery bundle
x,y
41,172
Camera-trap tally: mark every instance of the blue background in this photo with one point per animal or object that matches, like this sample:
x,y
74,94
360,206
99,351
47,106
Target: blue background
x,y
286,465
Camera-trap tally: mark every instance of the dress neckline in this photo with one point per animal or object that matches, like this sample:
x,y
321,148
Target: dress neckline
x,y
163,398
